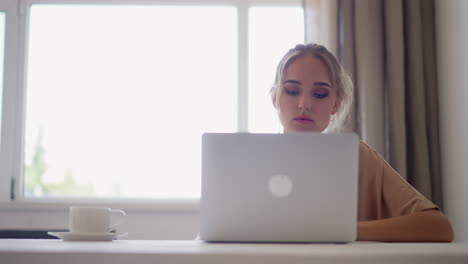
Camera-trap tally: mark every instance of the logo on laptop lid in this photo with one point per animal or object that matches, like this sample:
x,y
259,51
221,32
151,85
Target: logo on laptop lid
x,y
280,185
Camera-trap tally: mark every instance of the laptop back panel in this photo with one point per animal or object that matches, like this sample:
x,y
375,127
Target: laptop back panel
x,y
298,187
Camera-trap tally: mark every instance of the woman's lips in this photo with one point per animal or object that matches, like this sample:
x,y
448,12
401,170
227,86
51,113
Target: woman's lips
x,y
303,119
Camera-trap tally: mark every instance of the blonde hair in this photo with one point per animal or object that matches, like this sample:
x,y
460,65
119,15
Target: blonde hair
x,y
339,78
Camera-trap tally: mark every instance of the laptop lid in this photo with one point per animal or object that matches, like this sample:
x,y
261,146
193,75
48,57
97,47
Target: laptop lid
x,y
294,187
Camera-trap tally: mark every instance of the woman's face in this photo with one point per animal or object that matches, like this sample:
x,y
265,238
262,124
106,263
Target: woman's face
x,y
307,99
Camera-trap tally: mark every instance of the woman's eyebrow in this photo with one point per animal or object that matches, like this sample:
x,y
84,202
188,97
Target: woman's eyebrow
x,y
315,83
322,84
293,81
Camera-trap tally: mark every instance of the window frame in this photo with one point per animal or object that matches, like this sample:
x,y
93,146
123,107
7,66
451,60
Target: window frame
x,y
11,109
14,100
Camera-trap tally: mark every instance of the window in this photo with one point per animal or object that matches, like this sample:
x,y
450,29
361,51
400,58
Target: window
x,y
114,103
117,96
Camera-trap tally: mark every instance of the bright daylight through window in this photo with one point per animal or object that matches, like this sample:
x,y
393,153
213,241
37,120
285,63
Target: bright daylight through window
x,y
116,107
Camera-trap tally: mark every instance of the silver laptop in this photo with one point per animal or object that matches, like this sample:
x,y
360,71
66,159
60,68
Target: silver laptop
x,y
293,187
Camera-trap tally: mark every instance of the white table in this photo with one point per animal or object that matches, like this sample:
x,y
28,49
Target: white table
x,y
36,251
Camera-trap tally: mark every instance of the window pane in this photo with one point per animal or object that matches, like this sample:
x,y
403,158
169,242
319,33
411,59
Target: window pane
x,y
272,32
118,97
2,59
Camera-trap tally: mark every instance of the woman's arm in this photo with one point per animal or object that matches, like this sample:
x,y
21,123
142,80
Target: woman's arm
x,y
425,226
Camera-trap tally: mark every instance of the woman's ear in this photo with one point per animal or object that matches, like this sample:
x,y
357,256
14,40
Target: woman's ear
x,y
336,106
273,98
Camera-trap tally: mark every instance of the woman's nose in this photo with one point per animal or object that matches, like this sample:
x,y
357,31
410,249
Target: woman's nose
x,y
305,102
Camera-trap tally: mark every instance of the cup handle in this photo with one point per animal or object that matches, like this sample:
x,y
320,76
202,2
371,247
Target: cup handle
x,y
118,215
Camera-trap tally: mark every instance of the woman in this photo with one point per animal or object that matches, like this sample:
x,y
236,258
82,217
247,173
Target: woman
x,y
312,93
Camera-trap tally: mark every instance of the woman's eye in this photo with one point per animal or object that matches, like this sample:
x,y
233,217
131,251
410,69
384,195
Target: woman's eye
x,y
291,91
320,95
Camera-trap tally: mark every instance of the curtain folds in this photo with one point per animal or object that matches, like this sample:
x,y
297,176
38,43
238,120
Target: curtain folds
x,y
388,49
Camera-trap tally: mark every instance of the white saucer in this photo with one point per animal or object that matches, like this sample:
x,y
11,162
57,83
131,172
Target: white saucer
x,y
69,236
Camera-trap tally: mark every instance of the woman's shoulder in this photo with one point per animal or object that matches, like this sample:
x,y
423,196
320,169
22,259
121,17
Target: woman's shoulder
x,y
371,163
366,152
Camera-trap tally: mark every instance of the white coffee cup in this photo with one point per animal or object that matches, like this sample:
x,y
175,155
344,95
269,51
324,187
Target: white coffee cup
x,y
94,219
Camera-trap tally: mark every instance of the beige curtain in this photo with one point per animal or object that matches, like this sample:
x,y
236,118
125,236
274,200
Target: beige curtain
x,y
388,48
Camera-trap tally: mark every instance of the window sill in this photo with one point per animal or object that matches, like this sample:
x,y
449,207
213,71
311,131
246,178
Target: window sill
x,y
128,205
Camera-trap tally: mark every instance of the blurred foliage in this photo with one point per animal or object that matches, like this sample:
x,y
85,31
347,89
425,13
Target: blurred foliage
x,y
34,177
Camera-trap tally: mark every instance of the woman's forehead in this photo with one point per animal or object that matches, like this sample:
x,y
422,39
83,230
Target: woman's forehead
x,y
307,69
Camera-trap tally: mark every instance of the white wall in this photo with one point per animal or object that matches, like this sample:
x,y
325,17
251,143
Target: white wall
x,y
452,49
